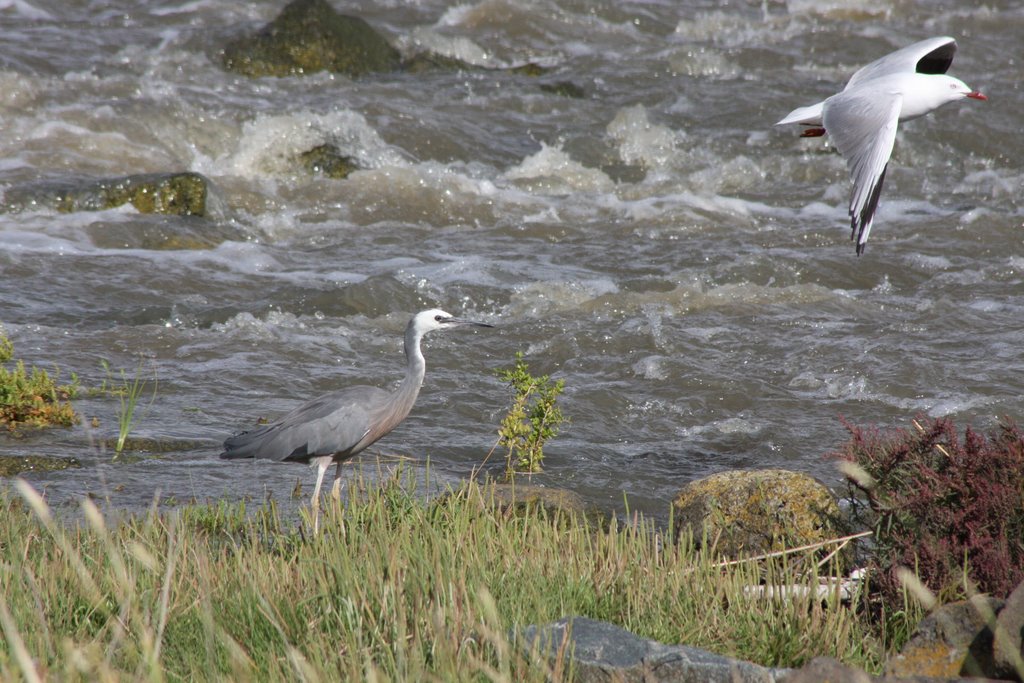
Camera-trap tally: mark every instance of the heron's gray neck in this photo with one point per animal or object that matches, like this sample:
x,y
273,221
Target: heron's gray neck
x,y
416,365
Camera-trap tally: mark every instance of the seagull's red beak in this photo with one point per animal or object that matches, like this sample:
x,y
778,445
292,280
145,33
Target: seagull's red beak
x,y
976,95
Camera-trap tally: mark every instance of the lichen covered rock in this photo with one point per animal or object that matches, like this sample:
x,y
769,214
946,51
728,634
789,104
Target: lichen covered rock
x,y
327,160
309,36
954,640
178,194
747,512
11,466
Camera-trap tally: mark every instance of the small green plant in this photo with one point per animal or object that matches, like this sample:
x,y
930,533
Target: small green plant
x,y
32,397
128,393
533,418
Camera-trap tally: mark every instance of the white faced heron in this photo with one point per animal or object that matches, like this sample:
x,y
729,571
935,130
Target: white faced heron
x,y
337,426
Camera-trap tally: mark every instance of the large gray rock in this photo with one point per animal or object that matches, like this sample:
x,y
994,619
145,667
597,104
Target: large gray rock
x,y
828,670
954,640
1009,646
602,653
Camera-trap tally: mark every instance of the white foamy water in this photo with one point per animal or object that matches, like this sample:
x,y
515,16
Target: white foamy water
x,y
685,267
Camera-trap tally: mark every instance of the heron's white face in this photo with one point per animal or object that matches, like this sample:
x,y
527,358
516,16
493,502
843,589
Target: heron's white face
x,y
434,319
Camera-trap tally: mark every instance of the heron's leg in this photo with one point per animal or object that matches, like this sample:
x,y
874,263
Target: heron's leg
x,y
336,487
321,469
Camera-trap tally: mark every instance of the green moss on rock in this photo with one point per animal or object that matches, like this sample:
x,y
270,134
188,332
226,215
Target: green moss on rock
x,y
748,512
11,466
178,194
328,160
309,36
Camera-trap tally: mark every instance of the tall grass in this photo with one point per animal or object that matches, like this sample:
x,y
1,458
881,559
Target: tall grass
x,y
395,588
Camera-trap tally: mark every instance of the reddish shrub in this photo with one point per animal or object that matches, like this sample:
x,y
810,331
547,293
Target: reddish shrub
x,y
941,505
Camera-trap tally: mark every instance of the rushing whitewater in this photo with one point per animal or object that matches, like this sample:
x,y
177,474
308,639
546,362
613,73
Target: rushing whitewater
x,y
655,243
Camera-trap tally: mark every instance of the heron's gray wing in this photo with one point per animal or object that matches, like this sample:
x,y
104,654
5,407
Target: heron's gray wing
x,y
332,424
862,125
931,56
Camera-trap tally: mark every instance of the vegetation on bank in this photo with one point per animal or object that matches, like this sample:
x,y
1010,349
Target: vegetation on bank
x,y
394,588
30,397
533,417
947,507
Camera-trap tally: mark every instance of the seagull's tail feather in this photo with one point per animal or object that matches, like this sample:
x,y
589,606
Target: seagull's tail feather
x,y
810,116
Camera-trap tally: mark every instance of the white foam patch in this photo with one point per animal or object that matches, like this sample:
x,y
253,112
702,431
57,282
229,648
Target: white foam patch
x,y
652,367
703,62
731,425
841,9
553,171
640,141
426,39
538,299
270,144
25,10
16,91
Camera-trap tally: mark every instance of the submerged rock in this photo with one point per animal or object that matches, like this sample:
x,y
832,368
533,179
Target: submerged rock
x,y
11,466
309,36
179,194
748,512
327,160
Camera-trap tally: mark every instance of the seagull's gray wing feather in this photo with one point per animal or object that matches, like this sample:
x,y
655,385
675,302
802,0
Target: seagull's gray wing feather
x,y
862,125
932,56
333,424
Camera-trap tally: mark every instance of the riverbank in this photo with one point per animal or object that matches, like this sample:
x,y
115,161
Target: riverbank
x,y
396,588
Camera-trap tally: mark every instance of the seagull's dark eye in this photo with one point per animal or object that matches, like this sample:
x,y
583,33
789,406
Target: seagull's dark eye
x,y
439,318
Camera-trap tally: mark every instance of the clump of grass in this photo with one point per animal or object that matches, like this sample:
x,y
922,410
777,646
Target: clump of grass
x,y
395,588
945,507
128,392
31,397
533,417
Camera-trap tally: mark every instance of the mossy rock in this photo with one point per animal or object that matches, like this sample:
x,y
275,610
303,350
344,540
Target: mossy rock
x,y
327,160
529,69
177,194
11,466
749,512
564,89
309,36
145,444
431,61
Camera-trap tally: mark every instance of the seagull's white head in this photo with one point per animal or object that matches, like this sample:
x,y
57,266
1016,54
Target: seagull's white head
x,y
923,93
957,89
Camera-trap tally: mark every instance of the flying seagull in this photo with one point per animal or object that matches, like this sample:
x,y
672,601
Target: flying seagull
x,y
862,119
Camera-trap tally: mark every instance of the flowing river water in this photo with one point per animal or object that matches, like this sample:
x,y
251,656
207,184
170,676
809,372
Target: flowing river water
x,y
683,265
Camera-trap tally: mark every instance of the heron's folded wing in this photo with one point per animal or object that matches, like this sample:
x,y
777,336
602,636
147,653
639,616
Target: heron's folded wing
x,y
328,425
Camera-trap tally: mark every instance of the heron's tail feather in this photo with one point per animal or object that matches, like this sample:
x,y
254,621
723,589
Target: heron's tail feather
x,y
246,444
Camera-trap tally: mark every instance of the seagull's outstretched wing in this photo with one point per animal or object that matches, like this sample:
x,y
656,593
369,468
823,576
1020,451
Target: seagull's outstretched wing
x,y
862,126
931,56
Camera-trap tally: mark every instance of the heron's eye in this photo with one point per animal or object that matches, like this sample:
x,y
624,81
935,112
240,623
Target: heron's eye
x,y
439,318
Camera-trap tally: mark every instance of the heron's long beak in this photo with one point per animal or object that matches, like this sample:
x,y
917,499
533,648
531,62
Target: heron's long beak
x,y
463,321
976,95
